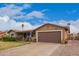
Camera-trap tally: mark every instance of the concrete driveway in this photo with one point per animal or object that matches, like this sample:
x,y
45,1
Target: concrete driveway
x,y
70,49
33,49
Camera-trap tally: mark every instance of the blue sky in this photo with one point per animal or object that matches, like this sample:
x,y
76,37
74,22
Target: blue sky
x,y
39,13
57,11
53,11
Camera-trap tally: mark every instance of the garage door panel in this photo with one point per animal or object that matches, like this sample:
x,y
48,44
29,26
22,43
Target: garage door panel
x,y
54,36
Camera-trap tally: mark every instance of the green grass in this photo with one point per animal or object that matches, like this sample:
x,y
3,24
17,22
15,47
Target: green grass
x,y
7,45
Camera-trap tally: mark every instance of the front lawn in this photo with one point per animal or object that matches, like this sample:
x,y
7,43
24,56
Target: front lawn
x,y
7,45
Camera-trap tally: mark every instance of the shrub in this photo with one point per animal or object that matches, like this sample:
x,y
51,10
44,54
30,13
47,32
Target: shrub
x,y
0,38
8,38
77,38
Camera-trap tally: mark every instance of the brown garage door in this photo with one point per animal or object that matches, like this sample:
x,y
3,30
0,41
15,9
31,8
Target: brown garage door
x,y
54,36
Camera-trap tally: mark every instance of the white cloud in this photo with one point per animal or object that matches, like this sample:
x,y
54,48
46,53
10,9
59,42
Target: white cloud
x,y
16,12
25,6
34,14
12,24
6,24
37,14
71,11
4,19
12,10
74,25
18,26
44,10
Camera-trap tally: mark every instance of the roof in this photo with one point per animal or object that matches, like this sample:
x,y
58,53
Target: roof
x,y
19,31
65,27
24,31
2,33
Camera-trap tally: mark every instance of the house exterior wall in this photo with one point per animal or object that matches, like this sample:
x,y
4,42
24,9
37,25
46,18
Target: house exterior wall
x,y
13,34
19,36
52,27
66,34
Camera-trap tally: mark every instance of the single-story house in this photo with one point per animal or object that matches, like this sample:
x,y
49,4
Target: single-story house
x,y
45,33
21,34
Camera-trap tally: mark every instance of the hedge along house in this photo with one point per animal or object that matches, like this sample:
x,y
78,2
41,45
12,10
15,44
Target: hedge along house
x,y
46,33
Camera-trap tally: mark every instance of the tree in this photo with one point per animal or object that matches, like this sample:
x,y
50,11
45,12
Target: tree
x,y
22,30
22,26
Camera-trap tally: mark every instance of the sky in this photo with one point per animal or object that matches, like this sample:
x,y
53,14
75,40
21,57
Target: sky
x,y
12,15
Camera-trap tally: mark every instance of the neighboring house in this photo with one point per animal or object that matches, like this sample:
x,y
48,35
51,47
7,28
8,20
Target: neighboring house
x,y
12,33
74,36
45,33
20,34
2,34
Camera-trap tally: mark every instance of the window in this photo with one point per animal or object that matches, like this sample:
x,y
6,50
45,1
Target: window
x,y
12,34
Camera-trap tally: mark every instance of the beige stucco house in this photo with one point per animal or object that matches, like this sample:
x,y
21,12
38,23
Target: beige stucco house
x,y
45,33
